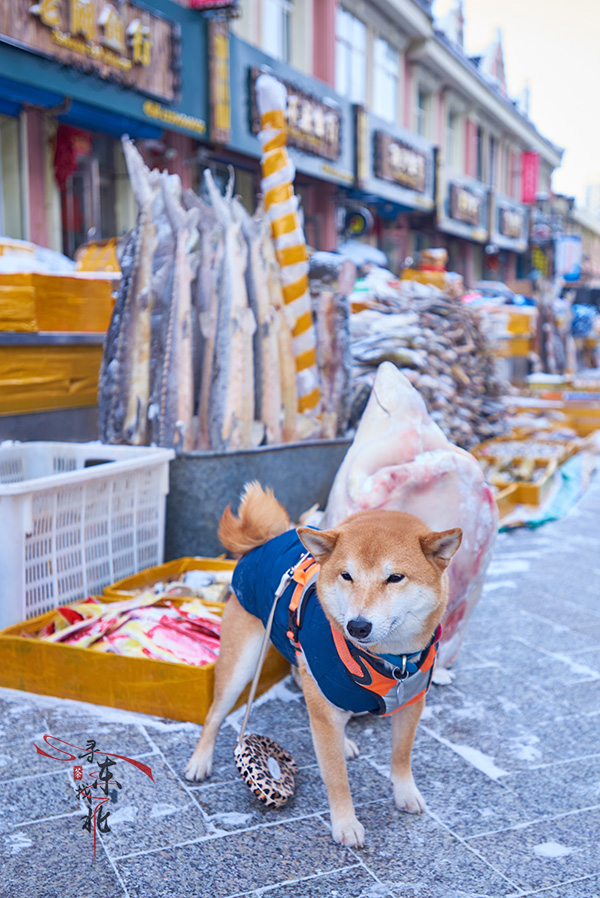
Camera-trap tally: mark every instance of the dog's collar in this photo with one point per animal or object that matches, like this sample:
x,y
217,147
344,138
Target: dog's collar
x,y
404,665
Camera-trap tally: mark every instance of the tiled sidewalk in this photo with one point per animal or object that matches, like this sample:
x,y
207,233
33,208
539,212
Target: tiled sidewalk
x,y
508,759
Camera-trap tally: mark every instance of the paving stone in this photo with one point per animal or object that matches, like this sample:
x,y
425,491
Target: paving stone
x,y
546,853
232,806
35,798
238,863
19,759
588,887
408,851
55,858
177,747
558,788
354,882
146,814
20,719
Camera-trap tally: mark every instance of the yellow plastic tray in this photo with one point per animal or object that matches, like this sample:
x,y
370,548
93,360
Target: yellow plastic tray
x,y
163,688
124,589
506,500
32,302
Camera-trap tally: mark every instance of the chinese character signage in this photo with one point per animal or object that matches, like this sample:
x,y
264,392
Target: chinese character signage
x,y
113,39
511,223
313,124
568,254
220,92
399,163
209,5
465,205
530,176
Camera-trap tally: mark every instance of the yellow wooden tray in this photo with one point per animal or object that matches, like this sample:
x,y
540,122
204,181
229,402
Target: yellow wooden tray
x,y
163,688
124,589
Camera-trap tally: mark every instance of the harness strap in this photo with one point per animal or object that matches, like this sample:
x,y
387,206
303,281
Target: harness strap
x,y
304,574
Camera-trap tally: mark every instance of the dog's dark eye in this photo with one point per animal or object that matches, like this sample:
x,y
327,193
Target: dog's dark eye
x,y
346,576
395,578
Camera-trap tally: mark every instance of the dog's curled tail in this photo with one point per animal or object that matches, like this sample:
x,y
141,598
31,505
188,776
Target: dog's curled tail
x,y
260,517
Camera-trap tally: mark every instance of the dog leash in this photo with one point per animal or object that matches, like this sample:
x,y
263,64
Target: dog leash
x,y
273,783
283,585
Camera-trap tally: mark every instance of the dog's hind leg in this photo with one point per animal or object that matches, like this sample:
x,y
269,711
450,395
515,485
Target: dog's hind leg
x,y
241,640
327,724
404,726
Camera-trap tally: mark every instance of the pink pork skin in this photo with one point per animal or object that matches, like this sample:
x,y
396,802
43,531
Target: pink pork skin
x,y
400,459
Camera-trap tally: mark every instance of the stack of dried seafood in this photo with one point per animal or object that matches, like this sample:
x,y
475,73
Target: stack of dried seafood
x,y
438,344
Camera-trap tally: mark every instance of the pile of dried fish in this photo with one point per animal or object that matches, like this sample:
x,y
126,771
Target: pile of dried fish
x,y
438,344
200,349
332,278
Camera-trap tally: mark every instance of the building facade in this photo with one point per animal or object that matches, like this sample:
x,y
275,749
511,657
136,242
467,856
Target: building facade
x,y
74,76
386,112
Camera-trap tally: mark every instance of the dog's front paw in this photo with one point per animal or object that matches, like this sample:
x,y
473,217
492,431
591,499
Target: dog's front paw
x,y
199,767
407,796
348,831
442,676
350,749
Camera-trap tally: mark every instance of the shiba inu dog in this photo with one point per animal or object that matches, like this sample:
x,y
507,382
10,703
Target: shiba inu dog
x,y
360,619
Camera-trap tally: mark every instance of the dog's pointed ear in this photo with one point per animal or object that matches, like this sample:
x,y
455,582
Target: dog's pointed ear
x,y
440,547
320,543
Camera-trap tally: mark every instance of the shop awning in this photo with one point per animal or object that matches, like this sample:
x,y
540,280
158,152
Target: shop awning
x,y
18,93
94,119
15,94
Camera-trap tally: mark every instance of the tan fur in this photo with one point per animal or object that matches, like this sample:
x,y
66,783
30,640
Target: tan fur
x,y
369,546
260,518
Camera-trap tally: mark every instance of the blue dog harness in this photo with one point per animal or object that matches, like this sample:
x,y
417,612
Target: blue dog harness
x,y
352,679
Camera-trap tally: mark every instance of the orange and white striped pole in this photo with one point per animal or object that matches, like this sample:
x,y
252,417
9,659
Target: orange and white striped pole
x,y
281,205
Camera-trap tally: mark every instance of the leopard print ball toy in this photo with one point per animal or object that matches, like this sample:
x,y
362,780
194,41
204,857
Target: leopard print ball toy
x,y
266,768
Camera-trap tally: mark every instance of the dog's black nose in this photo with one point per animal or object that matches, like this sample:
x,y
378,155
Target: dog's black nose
x,y
359,628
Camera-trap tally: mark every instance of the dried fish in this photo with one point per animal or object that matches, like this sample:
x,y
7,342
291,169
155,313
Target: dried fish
x,y
438,344
331,280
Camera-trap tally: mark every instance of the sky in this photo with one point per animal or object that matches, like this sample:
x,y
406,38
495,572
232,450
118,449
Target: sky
x,y
552,45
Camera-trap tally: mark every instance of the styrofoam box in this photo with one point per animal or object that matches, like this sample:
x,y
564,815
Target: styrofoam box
x,y
75,517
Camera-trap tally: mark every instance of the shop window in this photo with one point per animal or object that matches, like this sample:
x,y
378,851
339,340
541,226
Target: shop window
x,y
350,56
452,136
11,220
385,80
492,161
423,112
88,193
479,153
277,28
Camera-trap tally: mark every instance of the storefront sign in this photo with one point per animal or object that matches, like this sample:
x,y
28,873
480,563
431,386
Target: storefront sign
x,y
313,124
210,5
465,205
530,176
114,40
220,95
399,163
539,261
511,223
171,117
361,145
568,255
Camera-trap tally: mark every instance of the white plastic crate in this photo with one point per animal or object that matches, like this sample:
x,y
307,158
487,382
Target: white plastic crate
x,y
75,517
